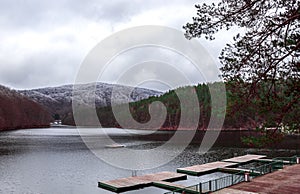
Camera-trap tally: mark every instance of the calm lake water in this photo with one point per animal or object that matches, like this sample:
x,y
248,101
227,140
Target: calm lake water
x,y
56,160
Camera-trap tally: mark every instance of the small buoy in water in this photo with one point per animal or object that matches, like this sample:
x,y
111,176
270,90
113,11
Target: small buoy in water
x,y
115,146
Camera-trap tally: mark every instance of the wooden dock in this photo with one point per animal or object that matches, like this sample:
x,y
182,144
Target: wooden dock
x,y
138,182
245,159
174,187
164,179
283,181
198,170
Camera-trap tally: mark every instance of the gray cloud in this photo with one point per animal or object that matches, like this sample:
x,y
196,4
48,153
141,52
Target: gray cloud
x,y
42,43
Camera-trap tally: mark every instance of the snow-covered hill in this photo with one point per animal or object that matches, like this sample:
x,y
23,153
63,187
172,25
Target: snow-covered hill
x,y
58,100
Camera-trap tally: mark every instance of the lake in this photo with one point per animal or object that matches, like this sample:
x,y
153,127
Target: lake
x,y
56,160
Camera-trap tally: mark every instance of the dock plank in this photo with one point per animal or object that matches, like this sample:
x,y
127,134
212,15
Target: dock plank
x,y
233,191
198,170
234,170
245,158
132,183
271,160
264,160
237,170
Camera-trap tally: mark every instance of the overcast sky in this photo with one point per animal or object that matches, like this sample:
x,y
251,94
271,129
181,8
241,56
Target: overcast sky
x,y
42,43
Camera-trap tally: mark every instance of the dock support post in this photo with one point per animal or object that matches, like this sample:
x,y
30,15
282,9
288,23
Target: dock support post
x,y
298,160
200,188
134,173
247,176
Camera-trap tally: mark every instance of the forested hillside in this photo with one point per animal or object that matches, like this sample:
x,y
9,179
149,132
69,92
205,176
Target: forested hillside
x,y
17,111
242,111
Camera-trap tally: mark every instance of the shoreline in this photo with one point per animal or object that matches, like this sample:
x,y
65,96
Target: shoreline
x,y
24,127
225,138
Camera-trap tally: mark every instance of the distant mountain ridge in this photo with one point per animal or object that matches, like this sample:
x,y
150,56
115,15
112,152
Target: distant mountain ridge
x,y
17,111
58,100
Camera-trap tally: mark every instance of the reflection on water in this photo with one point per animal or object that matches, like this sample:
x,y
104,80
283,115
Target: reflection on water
x,y
56,160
